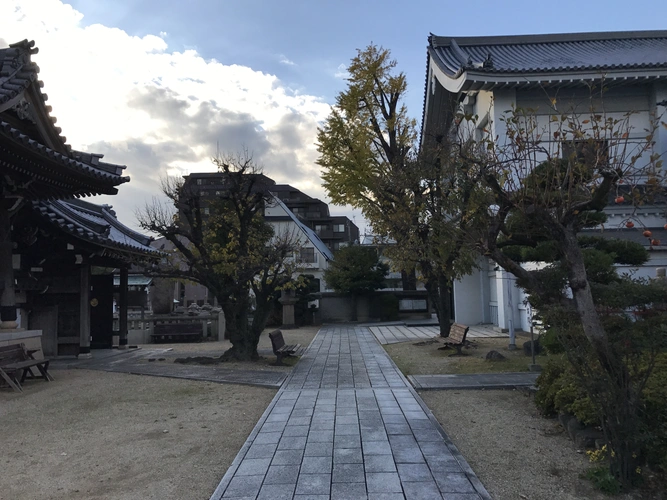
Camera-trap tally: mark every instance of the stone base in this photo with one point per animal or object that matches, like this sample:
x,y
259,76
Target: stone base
x,y
85,355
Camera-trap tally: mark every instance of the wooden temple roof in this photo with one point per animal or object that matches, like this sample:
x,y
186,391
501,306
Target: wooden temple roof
x,y
96,224
35,159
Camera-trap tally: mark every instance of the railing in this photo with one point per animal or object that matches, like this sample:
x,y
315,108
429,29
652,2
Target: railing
x,y
493,309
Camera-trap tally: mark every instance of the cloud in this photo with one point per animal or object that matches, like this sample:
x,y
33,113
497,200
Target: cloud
x,y
341,72
286,61
160,111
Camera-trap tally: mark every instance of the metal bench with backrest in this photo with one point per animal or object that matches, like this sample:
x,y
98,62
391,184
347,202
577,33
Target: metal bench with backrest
x,y
16,363
457,338
280,349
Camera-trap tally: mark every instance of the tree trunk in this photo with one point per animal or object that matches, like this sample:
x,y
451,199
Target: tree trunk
x,y
244,343
622,428
439,295
445,306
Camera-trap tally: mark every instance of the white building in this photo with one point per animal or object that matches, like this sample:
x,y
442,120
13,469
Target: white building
x,y
314,255
488,76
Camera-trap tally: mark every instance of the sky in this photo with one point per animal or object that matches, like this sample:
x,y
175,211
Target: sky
x,y
161,85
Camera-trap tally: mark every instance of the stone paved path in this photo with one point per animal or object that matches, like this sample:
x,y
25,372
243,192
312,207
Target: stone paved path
x,y
135,361
392,334
474,381
347,425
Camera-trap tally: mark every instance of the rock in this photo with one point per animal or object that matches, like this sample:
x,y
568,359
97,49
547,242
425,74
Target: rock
x,y
564,418
574,426
494,356
586,438
526,347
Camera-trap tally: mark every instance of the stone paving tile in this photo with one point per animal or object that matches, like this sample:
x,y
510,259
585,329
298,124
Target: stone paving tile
x,y
318,450
244,486
282,474
253,467
313,484
348,473
379,463
314,465
296,430
383,482
423,490
347,456
287,457
348,491
388,496
258,450
276,492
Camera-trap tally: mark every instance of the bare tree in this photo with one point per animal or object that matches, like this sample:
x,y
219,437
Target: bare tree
x,y
231,249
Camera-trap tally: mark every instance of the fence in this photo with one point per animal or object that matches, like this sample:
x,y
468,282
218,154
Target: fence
x,y
139,329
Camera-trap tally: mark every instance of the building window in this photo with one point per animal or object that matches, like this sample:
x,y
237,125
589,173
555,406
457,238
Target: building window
x,y
206,211
198,182
339,228
319,228
307,255
336,245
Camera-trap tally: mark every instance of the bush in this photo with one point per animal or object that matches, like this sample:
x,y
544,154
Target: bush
x,y
384,306
560,392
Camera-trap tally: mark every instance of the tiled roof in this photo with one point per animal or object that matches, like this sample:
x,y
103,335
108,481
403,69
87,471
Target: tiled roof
x,y
571,52
96,224
59,171
310,234
17,71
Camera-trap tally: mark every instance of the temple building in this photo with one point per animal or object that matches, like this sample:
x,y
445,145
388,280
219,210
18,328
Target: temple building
x,y
57,252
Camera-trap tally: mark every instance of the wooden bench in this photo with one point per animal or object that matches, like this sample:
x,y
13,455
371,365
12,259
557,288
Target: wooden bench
x,y
457,338
16,360
177,332
280,349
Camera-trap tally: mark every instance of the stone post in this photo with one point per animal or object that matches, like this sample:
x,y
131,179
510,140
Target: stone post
x,y
122,311
288,299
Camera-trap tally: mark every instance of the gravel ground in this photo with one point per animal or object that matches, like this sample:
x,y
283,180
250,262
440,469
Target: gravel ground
x,y
515,452
98,435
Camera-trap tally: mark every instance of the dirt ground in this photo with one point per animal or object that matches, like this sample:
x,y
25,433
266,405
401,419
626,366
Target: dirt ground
x,y
515,452
427,357
100,435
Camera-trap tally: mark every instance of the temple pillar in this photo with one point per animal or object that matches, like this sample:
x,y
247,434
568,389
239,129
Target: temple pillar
x,y
122,309
84,312
7,292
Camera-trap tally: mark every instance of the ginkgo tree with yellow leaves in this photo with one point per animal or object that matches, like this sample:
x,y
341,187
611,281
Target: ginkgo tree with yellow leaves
x,y
422,198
